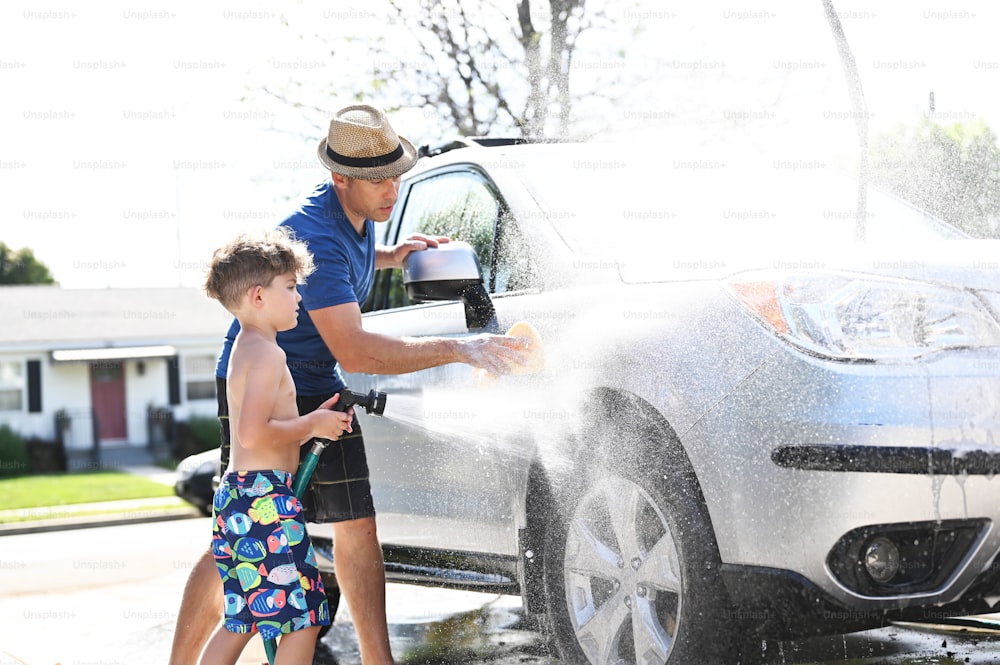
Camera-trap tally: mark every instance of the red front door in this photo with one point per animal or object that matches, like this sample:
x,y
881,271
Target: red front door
x,y
107,397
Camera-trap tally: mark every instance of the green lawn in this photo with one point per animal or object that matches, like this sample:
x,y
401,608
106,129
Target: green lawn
x,y
60,489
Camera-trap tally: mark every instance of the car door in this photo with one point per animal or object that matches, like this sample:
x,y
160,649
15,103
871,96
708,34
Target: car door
x,y
442,475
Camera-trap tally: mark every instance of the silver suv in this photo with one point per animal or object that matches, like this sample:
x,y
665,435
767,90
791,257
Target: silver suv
x,y
749,424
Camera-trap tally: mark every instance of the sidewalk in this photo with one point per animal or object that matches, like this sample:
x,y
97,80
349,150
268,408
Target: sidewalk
x,y
87,515
106,513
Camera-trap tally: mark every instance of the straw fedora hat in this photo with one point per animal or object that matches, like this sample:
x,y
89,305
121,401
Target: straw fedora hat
x,y
362,144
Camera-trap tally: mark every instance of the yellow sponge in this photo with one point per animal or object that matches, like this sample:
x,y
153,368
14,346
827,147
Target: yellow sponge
x,y
536,359
536,356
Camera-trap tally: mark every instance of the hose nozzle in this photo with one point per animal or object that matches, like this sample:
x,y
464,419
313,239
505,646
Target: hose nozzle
x,y
372,403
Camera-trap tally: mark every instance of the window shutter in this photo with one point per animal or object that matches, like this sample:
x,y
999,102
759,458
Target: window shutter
x,y
34,386
174,380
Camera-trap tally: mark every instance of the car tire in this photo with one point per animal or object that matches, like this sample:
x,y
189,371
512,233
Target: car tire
x,y
630,565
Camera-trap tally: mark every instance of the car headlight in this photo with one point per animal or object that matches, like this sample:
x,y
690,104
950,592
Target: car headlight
x,y
850,316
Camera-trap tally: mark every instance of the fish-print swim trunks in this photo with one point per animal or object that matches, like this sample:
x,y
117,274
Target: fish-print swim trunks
x,y
268,567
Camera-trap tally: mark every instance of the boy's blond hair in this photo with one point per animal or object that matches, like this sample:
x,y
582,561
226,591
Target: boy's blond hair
x,y
251,260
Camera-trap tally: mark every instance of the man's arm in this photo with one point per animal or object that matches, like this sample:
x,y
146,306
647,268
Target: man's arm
x,y
357,350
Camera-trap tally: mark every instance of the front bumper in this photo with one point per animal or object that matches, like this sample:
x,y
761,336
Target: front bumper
x,y
778,604
806,452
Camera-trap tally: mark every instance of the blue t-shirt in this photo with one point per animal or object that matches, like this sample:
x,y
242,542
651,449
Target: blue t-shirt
x,y
345,270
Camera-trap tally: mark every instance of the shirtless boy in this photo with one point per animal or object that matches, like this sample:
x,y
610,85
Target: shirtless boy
x,y
259,539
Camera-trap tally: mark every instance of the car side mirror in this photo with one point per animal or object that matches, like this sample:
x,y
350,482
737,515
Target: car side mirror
x,y
450,271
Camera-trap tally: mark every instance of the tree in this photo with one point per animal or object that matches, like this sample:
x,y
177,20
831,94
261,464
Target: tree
x,y
467,64
480,68
21,267
623,69
951,171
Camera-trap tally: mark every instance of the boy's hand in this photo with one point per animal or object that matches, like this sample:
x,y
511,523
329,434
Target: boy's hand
x,y
330,424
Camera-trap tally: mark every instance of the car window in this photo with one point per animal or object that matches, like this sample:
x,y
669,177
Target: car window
x,y
515,270
459,204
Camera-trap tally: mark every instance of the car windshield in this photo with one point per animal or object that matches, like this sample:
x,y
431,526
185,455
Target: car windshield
x,y
748,128
615,202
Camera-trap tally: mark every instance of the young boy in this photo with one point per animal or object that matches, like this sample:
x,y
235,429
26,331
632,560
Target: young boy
x,y
259,538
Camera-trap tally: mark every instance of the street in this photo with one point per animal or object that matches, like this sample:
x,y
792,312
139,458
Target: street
x,y
110,595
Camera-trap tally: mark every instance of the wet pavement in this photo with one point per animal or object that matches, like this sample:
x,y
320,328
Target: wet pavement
x,y
490,629
493,630
110,595
496,633
125,623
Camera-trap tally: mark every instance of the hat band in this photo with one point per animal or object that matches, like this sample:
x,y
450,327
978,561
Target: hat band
x,y
366,162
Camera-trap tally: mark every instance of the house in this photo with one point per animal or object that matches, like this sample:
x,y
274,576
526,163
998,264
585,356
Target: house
x,y
95,368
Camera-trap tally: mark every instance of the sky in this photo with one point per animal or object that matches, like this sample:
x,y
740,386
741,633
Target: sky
x,y
135,138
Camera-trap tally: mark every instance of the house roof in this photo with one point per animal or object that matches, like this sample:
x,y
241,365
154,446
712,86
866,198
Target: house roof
x,y
50,317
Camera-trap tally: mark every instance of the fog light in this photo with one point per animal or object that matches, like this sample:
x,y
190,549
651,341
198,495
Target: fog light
x,y
905,558
882,559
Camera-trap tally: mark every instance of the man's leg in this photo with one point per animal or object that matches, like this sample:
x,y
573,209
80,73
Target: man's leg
x,y
203,603
361,576
200,611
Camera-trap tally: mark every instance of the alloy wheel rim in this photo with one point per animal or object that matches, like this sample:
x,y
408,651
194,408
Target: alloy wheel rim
x,y
622,575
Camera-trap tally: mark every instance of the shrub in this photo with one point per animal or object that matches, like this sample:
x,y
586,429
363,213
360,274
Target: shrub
x,y
13,454
206,430
195,435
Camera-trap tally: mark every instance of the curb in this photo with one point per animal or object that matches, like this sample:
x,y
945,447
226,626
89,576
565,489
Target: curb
x,y
131,514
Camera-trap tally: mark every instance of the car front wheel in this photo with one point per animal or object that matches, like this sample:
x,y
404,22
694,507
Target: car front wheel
x,y
630,565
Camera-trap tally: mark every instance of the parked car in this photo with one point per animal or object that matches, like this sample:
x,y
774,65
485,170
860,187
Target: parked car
x,y
749,424
197,478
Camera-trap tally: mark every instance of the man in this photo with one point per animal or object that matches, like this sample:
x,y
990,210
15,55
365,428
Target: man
x,y
365,158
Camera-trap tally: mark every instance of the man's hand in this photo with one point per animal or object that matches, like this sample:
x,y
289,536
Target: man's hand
x,y
497,354
394,255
